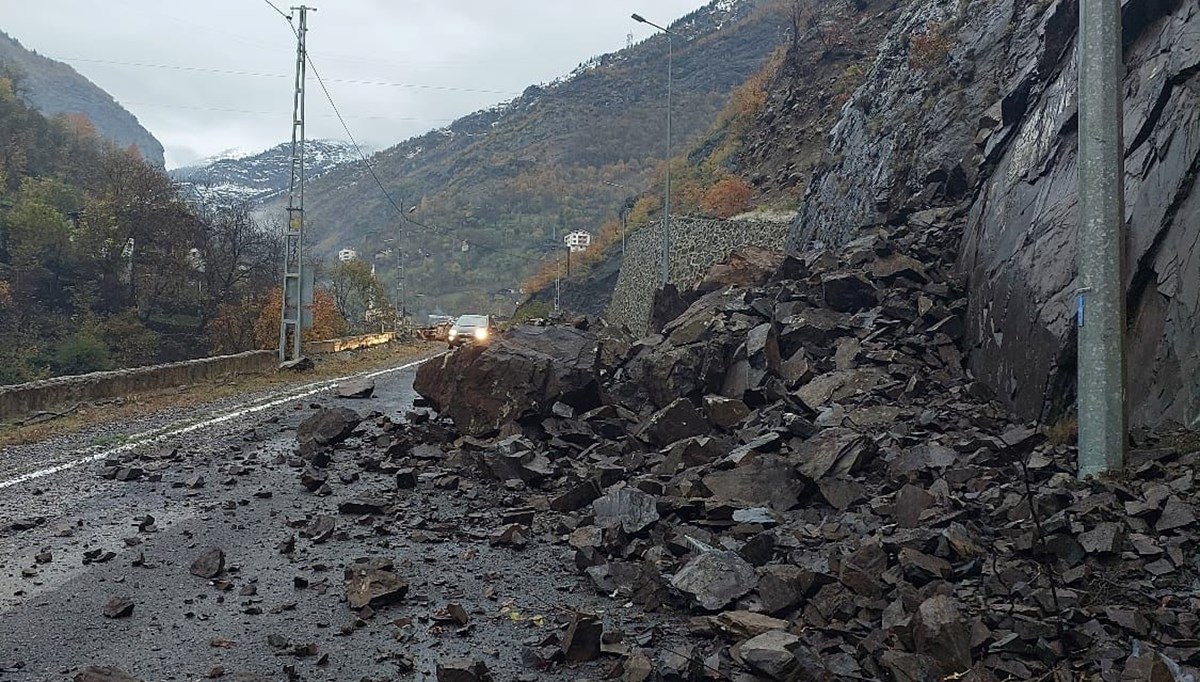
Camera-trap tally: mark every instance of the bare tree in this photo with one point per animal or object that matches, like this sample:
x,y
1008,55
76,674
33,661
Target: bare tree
x,y
234,255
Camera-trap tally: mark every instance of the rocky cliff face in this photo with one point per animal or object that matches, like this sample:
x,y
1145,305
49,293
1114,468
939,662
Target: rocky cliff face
x,y
968,116
55,88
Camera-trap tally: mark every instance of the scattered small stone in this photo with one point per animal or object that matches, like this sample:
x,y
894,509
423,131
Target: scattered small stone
x,y
583,637
104,674
209,564
373,584
320,530
357,389
118,607
462,670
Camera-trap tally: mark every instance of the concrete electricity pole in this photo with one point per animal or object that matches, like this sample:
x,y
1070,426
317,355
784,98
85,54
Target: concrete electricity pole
x,y
401,290
557,271
291,319
1100,300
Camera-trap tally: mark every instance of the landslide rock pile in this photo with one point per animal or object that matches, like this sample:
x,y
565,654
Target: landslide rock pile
x,y
803,466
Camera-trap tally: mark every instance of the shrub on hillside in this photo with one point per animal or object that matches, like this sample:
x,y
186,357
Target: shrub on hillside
x,y
80,353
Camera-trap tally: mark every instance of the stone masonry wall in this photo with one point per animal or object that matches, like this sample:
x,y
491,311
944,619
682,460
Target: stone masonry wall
x,y
696,245
20,400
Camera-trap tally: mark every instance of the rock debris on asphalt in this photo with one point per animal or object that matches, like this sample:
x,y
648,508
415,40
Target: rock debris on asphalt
x,y
794,478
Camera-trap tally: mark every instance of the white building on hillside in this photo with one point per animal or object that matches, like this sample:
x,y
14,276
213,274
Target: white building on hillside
x,y
578,241
347,255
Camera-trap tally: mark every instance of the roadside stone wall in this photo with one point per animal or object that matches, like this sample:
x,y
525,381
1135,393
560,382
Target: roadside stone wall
x,y
696,245
20,400
348,343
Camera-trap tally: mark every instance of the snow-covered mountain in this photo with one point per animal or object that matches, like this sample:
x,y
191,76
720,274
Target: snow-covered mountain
x,y
236,177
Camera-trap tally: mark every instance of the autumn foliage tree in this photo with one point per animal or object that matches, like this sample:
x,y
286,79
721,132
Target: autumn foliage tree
x,y
728,197
254,322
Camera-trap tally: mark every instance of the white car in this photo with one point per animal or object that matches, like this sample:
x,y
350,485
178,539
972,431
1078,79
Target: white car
x,y
469,329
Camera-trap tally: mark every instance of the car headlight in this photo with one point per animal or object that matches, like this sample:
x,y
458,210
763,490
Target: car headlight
x,y
481,334
453,333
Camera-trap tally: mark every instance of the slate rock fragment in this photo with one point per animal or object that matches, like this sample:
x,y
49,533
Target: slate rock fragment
x,y
581,642
209,563
104,674
462,670
373,584
629,508
941,632
714,579
356,389
329,426
771,653
118,607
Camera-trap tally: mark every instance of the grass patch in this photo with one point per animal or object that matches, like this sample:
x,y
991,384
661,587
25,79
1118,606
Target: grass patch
x,y
1065,431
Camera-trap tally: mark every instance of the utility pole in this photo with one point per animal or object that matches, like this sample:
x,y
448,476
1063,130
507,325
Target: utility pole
x,y
1100,300
401,288
557,272
291,319
400,312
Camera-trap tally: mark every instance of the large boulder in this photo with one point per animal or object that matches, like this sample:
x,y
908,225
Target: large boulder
x,y
329,426
522,373
746,266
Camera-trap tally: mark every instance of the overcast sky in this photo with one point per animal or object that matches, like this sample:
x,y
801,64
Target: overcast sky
x,y
215,75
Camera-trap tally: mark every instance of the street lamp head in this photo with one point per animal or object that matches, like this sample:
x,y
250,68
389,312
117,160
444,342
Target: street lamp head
x,y
639,18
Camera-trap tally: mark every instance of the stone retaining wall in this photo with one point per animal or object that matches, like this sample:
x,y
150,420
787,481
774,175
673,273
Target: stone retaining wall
x,y
696,245
20,400
348,343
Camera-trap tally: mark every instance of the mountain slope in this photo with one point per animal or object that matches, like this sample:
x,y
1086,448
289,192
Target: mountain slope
x,y
55,88
507,179
255,178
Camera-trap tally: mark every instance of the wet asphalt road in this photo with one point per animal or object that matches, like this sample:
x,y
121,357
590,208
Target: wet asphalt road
x,y
186,628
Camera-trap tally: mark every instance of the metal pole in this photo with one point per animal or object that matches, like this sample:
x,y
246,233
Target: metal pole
x,y
1100,303
557,272
666,239
624,219
400,268
622,214
291,320
666,233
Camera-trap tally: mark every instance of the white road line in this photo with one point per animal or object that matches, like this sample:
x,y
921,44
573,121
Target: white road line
x,y
246,408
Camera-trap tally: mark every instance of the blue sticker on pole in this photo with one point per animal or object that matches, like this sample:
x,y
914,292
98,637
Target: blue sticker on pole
x,y
1079,309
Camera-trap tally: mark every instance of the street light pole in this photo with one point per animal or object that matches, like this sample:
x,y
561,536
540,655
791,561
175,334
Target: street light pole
x,y
1100,300
401,288
623,216
400,299
666,240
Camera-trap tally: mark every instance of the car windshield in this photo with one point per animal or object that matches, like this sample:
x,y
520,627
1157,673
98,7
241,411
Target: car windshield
x,y
472,321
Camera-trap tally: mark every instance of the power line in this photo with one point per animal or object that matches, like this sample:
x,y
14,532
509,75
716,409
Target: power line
x,y
251,112
259,74
371,170
281,13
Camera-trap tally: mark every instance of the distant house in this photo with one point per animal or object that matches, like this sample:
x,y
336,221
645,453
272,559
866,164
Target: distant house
x,y
347,255
578,241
